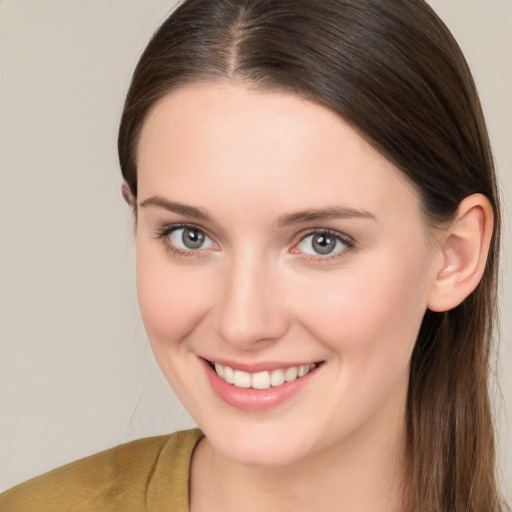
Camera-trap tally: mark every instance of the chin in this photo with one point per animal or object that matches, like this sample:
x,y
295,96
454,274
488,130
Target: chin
x,y
260,453
258,445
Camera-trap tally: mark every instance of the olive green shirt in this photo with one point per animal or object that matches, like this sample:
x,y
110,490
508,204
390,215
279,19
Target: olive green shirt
x,y
145,475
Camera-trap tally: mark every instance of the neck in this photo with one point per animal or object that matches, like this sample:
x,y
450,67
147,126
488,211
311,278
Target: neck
x,y
359,474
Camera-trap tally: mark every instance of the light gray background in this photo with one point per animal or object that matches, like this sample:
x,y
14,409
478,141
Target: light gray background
x,y
76,373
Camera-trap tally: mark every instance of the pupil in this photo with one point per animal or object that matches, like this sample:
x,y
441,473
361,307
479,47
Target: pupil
x,y
324,244
192,238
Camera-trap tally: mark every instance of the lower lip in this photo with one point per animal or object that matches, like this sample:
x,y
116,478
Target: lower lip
x,y
250,399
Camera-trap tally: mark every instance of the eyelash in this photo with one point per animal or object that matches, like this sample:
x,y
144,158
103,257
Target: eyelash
x,y
348,242
164,232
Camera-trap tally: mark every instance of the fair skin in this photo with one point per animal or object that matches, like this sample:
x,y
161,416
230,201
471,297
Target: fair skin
x,y
270,235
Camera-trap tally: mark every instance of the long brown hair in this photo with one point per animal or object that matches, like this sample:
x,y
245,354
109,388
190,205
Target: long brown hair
x,y
392,70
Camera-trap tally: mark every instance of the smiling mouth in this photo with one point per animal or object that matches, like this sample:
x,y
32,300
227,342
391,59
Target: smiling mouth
x,y
261,380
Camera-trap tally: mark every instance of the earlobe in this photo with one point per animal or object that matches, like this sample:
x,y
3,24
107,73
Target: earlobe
x,y
464,247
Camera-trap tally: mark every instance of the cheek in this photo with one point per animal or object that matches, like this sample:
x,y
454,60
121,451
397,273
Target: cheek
x,y
172,299
368,316
369,322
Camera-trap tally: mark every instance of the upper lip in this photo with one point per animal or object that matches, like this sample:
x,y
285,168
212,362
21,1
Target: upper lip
x,y
259,366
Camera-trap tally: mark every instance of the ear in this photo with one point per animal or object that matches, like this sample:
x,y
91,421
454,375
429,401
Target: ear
x,y
131,200
127,195
463,253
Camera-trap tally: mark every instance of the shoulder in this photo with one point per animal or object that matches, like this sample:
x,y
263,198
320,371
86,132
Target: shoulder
x,y
127,477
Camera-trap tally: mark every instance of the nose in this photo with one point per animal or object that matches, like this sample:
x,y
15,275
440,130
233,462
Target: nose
x,y
250,311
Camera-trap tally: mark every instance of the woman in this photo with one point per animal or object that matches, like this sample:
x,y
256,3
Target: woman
x,y
317,242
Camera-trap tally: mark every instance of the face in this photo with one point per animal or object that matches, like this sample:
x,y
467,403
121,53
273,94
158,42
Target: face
x,y
274,243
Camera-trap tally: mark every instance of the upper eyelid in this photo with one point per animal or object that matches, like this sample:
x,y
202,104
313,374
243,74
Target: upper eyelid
x,y
169,228
165,231
296,239
345,239
338,234
301,235
163,236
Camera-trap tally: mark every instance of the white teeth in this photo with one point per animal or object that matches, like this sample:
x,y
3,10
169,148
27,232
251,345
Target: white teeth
x,y
262,380
219,369
229,375
242,379
303,369
276,377
291,374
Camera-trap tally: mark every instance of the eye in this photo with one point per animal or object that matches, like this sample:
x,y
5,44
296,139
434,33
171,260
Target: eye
x,y
324,243
186,239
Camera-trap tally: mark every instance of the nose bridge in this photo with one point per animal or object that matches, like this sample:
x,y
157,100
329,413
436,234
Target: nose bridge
x,y
249,311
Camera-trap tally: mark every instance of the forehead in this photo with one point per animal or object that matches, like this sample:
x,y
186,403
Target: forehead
x,y
259,146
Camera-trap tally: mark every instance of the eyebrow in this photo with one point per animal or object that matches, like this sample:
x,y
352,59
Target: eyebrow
x,y
181,209
310,215
314,215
